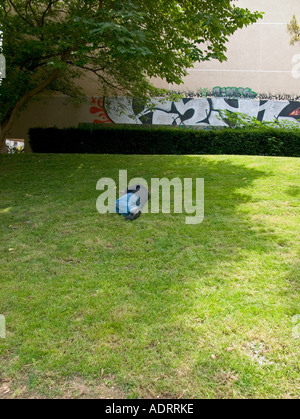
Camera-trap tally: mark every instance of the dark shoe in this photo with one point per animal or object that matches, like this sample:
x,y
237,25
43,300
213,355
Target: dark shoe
x,y
132,216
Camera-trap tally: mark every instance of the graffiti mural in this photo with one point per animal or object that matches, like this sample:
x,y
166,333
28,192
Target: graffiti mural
x,y
234,92
97,108
190,111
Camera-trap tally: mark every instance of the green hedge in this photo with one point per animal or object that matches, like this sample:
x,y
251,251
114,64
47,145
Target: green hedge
x,y
168,140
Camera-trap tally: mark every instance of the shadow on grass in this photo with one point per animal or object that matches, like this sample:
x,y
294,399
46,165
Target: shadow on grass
x,y
293,190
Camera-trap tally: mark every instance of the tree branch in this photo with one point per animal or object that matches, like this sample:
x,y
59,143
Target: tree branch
x,y
48,9
19,14
32,11
95,71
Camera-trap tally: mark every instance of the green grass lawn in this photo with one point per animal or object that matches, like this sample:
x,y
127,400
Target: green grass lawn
x,y
99,307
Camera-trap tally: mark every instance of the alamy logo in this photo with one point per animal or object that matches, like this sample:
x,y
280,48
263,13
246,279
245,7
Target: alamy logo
x,y
2,327
188,196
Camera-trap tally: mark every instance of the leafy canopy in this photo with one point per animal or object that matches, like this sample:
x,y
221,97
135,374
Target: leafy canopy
x,y
50,43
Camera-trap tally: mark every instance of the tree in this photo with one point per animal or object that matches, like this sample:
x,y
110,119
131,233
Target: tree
x,y
294,30
48,44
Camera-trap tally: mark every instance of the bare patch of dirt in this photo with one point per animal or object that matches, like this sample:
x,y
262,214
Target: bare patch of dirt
x,y
75,388
5,389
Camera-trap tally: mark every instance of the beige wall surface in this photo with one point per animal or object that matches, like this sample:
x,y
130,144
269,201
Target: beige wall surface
x,y
52,111
259,56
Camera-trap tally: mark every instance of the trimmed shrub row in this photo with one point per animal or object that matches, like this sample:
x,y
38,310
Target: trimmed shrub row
x,y
167,140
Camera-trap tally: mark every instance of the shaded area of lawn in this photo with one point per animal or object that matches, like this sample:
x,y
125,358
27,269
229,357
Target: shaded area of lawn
x,y
154,307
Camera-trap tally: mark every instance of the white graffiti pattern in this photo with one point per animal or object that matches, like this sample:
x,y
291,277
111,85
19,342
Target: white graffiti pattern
x,y
196,112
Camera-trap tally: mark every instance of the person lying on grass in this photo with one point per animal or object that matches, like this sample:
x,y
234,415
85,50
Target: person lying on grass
x,y
132,202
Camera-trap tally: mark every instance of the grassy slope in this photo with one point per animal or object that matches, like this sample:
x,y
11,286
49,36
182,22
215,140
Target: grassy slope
x,y
99,307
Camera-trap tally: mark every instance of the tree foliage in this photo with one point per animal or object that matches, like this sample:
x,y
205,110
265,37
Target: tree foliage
x,y
294,30
48,44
